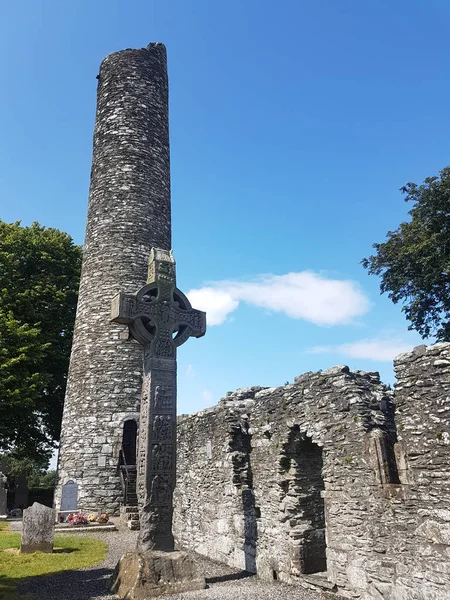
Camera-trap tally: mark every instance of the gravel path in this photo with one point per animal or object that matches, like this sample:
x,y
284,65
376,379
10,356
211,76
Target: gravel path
x,y
91,583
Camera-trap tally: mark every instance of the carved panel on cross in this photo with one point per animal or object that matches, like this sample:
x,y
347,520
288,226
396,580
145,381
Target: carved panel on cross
x,y
141,464
140,491
164,347
194,319
161,489
160,364
161,513
162,457
163,400
161,269
162,429
143,436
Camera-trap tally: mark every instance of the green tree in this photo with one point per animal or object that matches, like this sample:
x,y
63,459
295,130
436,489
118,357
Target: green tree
x,y
39,278
33,469
42,479
414,261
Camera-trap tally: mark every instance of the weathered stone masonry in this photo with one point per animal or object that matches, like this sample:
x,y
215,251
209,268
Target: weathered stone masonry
x,y
129,213
330,473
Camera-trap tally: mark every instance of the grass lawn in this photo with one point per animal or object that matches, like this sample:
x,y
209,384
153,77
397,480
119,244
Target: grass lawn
x,y
77,552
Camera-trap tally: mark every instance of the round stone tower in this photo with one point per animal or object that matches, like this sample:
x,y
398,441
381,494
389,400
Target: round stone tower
x,y
128,214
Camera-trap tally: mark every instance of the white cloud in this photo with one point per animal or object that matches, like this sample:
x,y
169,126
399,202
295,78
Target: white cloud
x,y
373,349
305,295
216,303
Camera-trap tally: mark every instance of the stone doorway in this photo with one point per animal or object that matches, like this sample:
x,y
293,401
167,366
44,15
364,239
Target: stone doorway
x,y
129,437
301,465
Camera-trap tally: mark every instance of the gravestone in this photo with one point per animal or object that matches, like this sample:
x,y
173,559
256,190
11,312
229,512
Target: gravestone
x,y
3,497
38,529
69,497
161,318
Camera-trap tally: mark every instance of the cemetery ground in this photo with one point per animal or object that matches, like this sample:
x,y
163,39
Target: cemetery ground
x,y
84,573
71,552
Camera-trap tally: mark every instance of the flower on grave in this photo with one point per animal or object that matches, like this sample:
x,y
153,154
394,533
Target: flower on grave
x,y
78,519
103,518
92,517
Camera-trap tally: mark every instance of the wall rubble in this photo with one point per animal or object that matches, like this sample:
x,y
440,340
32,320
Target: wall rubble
x,y
252,470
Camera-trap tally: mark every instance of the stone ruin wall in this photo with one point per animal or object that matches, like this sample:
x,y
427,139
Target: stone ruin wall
x,y
267,475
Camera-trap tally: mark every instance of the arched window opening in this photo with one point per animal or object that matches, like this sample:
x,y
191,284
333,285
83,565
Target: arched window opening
x,y
301,465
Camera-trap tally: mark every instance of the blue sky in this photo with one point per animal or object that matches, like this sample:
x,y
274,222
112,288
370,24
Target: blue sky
x,y
293,126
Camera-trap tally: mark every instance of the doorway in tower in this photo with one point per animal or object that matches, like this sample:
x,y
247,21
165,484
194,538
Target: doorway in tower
x,y
129,437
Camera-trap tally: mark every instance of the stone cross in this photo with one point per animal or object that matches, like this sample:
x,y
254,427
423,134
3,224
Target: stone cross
x,y
160,318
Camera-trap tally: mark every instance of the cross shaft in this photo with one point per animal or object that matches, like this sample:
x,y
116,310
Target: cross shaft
x,y
160,318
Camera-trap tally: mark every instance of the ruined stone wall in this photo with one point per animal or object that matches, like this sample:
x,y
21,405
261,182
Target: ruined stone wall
x,y
418,535
129,212
270,477
247,502
209,516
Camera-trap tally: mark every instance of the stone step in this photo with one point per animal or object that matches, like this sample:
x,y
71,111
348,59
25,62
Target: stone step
x,y
130,516
133,525
131,508
319,580
73,529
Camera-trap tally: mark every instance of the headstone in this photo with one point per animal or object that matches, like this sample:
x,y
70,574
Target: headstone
x,y
38,529
3,497
161,318
69,497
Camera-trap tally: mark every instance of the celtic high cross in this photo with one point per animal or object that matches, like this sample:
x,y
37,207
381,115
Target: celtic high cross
x,y
160,318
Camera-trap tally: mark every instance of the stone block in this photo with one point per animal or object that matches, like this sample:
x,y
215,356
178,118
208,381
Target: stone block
x,y
143,575
432,531
38,529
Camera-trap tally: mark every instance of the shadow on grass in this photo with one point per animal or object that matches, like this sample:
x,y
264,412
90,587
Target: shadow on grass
x,y
8,590
16,551
79,585
65,550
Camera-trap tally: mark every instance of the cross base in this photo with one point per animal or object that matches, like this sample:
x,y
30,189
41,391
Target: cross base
x,y
142,575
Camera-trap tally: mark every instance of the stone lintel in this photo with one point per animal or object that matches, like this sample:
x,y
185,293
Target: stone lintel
x,y
142,575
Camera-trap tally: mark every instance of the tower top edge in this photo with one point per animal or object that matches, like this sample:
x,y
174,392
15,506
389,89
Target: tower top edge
x,y
153,48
